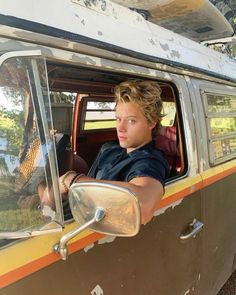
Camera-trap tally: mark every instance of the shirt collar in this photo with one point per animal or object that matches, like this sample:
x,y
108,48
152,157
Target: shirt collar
x,y
145,147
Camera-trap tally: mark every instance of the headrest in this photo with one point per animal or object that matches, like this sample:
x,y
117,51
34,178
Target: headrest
x,y
166,141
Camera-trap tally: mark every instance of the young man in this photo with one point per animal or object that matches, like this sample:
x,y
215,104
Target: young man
x,y
134,163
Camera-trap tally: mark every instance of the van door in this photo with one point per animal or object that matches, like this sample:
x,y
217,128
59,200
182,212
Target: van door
x,y
164,257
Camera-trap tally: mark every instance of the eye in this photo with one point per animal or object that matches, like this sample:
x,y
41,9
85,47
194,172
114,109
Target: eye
x,y
118,119
131,121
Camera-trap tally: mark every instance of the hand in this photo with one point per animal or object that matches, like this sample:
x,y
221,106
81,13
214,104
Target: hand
x,y
46,196
65,181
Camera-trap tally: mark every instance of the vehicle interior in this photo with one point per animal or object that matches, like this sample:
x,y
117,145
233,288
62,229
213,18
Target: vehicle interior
x,y
83,111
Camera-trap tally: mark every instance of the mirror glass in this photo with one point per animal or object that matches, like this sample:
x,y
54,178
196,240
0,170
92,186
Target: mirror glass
x,y
122,211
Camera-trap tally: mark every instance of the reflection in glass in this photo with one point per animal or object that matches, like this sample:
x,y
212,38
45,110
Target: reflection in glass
x,y
101,105
99,115
23,149
224,147
221,103
169,112
220,126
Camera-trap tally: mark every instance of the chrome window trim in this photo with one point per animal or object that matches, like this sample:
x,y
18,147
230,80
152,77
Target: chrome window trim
x,y
54,225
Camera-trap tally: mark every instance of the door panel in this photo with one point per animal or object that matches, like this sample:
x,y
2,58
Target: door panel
x,y
219,239
219,235
156,261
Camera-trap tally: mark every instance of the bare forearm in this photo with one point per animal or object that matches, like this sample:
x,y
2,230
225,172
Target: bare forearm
x,y
148,191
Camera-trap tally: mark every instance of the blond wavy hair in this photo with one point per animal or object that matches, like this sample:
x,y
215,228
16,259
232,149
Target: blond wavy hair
x,y
147,95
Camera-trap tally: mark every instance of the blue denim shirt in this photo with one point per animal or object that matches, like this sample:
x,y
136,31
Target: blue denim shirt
x,y
114,163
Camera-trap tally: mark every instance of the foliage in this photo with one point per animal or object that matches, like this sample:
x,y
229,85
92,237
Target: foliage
x,y
228,49
12,119
62,97
12,130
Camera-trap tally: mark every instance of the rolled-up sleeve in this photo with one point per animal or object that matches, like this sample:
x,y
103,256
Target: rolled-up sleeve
x,y
149,167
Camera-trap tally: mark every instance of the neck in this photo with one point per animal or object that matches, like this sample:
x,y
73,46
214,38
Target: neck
x,y
131,149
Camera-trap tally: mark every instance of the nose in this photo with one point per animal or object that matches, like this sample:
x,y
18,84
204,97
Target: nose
x,y
121,126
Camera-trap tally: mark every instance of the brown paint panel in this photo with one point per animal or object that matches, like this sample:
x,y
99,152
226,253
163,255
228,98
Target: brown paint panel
x,y
219,234
153,262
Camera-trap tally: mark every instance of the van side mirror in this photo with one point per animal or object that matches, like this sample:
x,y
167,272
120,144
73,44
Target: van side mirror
x,y
103,208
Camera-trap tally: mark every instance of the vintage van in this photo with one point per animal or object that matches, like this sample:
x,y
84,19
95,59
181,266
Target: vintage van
x,y
57,78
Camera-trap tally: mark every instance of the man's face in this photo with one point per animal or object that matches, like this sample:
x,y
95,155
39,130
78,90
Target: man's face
x,y
133,129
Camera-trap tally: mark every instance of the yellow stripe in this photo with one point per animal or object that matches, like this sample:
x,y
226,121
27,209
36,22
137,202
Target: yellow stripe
x,y
180,185
31,249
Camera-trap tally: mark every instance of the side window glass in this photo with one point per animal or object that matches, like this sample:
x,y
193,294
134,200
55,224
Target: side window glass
x,y
169,110
26,148
220,113
98,114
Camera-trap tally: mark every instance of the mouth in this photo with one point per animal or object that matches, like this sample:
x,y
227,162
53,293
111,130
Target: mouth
x,y
122,138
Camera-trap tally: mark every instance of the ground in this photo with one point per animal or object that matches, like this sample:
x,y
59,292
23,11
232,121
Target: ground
x,y
230,286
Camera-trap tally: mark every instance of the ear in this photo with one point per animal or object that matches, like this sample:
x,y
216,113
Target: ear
x,y
152,125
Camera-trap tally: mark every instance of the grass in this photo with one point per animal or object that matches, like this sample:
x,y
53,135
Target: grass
x,y
99,125
19,219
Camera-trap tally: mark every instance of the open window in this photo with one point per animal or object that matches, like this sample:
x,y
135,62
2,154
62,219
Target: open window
x,y
94,117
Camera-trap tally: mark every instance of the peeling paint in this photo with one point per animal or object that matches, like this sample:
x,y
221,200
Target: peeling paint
x,y
107,239
130,68
165,46
152,42
175,53
215,249
172,205
187,78
84,59
185,293
167,76
199,277
192,189
123,21
97,290
89,247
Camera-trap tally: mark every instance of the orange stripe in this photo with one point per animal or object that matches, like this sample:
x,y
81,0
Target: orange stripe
x,y
230,171
180,195
38,264
212,179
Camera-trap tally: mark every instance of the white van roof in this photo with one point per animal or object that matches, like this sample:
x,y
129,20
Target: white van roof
x,y
115,28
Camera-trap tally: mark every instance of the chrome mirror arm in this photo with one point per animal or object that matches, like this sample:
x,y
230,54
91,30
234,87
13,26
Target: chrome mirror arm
x,y
61,247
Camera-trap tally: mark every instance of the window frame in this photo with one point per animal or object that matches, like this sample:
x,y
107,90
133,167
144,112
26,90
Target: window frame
x,y
208,116
83,110
55,224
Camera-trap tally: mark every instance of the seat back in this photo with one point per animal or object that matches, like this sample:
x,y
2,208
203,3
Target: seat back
x,y
67,160
166,141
